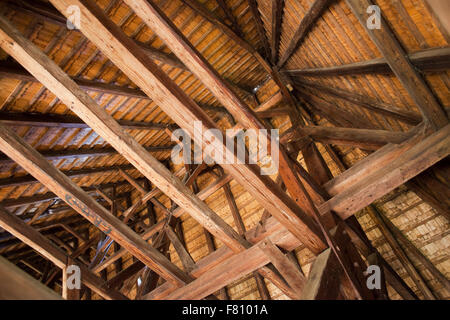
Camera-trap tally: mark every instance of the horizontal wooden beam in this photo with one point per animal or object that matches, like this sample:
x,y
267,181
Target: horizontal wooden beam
x,y
429,60
363,101
83,153
67,121
359,138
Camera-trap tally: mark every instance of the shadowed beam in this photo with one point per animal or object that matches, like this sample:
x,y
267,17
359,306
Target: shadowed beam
x,y
305,26
259,26
412,157
277,17
82,153
67,121
360,138
45,248
396,57
363,101
429,60
323,279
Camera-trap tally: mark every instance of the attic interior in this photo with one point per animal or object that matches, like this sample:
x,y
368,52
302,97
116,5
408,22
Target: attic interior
x,y
93,90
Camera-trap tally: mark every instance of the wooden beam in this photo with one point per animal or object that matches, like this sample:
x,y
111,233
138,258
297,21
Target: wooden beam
x,y
234,209
185,112
67,292
81,153
314,12
39,198
362,101
253,4
67,121
400,254
29,179
15,284
126,273
359,238
428,60
277,16
323,279
417,157
396,57
217,278
367,139
44,247
286,267
186,259
211,17
334,114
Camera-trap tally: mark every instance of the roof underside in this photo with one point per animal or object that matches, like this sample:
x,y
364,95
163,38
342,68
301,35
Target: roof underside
x,y
335,39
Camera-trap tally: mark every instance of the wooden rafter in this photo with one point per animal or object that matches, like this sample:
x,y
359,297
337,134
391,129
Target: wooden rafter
x,y
277,17
305,26
83,153
429,60
396,57
253,4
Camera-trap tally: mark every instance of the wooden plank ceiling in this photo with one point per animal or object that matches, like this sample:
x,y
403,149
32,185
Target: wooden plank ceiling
x,y
86,117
